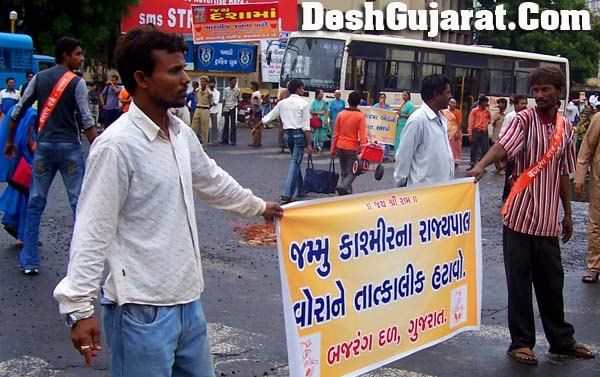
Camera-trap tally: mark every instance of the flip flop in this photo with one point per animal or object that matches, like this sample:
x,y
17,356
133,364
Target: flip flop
x,y
523,357
591,277
577,350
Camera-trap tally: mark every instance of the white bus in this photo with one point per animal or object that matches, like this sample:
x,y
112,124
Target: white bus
x,y
374,64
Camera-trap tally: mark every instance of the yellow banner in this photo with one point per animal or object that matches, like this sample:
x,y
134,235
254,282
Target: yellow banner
x,y
368,279
381,124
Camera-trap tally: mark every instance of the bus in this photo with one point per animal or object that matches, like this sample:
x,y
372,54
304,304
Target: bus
x,y
374,64
17,58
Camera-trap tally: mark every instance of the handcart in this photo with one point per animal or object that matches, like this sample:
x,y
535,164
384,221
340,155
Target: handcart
x,y
370,153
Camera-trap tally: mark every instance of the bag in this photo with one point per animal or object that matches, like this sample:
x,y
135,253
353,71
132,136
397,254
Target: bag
x,y
21,178
320,181
316,122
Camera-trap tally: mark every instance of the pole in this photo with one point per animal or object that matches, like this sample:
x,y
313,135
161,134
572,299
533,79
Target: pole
x,y
12,26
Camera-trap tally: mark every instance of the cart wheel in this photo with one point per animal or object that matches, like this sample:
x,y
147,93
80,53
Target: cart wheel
x,y
365,165
355,169
379,170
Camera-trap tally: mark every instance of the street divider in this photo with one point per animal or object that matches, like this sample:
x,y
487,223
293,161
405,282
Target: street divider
x,y
371,278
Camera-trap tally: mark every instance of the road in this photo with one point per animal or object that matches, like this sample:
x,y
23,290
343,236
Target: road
x,y
243,301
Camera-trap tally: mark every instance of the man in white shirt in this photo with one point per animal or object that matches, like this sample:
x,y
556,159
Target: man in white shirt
x,y
424,154
9,96
294,114
572,112
214,112
136,212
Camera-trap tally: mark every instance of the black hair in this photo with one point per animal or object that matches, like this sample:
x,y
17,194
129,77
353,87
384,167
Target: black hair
x,y
212,79
547,75
318,91
518,98
294,85
408,93
502,100
65,45
10,78
254,85
433,84
483,99
232,78
134,51
354,98
195,83
383,94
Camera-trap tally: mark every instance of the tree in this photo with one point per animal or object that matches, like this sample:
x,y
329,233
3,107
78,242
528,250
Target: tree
x,y
95,22
582,48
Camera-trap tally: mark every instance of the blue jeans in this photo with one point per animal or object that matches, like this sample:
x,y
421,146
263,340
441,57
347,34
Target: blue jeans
x,y
296,143
157,341
47,160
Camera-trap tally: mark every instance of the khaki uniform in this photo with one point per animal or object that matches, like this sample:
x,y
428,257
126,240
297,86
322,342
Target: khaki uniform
x,y
201,121
589,157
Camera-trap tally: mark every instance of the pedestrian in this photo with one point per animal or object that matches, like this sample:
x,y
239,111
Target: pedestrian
x,y
8,96
335,106
519,104
406,110
231,99
13,203
28,78
294,112
285,93
581,129
318,111
510,106
58,145
383,105
349,133
109,101
572,112
479,120
214,111
454,119
124,100
497,121
424,154
589,159
540,141
255,116
94,101
190,99
137,214
201,119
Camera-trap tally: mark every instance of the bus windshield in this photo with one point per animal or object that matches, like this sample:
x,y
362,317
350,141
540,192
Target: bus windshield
x,y
315,61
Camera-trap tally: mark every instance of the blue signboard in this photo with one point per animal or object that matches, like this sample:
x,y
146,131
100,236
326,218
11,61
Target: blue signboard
x,y
226,57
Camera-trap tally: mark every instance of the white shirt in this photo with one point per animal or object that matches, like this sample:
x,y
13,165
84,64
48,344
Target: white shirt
x,y
593,100
424,154
507,119
136,211
293,111
256,98
572,112
214,108
10,98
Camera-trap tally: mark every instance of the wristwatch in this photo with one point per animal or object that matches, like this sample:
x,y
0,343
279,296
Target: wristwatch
x,y
71,319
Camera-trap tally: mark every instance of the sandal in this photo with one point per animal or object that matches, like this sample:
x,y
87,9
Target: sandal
x,y
577,350
591,277
523,356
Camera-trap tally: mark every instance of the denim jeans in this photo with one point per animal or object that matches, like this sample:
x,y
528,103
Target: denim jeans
x,y
296,142
157,341
47,160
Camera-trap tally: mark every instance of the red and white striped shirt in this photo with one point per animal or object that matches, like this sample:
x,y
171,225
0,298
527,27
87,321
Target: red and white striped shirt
x,y
535,209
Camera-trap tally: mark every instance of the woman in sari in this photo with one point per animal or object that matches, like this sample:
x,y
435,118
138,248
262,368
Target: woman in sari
x,y
13,204
454,117
405,111
319,108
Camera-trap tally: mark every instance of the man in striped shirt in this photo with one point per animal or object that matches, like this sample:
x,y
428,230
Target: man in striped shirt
x,y
531,224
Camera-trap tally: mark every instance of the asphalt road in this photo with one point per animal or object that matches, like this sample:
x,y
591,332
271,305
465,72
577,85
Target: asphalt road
x,y
243,301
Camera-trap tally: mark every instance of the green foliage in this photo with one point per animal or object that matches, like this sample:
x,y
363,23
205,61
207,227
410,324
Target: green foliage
x,y
582,48
95,22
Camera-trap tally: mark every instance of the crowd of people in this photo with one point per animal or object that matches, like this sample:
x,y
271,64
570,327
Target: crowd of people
x,y
155,277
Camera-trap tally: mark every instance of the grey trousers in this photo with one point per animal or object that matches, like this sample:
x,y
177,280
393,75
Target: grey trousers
x,y
347,158
214,129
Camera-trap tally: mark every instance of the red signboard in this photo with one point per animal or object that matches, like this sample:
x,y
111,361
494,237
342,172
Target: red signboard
x,y
239,23
176,15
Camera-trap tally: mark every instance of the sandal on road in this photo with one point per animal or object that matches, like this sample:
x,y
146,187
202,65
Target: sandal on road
x,y
523,356
591,277
576,350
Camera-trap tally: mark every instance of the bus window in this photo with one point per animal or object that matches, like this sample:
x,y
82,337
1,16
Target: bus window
x,y
431,63
522,69
45,65
500,77
399,69
315,61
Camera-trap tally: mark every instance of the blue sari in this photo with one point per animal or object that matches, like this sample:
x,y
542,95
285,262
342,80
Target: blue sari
x,y
13,203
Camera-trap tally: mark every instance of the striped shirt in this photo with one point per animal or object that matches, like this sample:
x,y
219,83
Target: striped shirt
x,y
535,209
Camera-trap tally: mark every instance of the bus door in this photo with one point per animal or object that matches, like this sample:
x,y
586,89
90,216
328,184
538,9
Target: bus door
x,y
465,87
368,71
